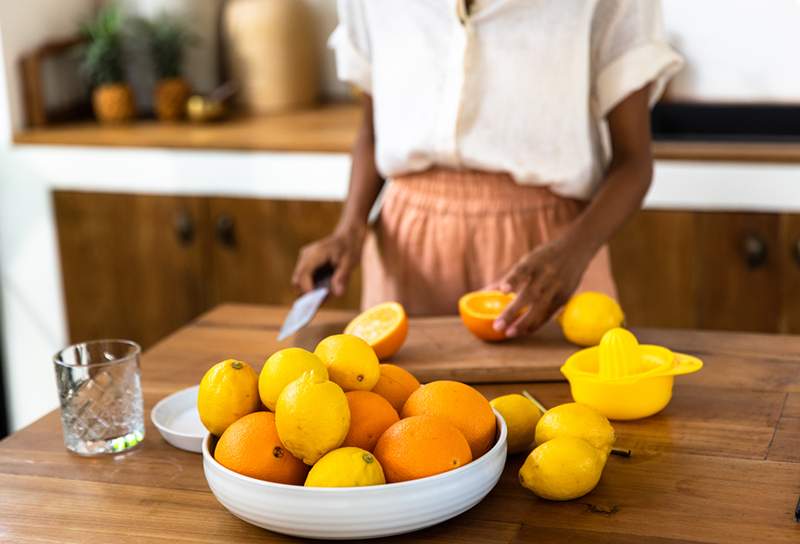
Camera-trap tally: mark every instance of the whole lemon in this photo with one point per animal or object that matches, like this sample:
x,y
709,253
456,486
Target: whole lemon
x,y
312,417
351,362
562,469
228,391
588,316
521,416
346,467
578,421
285,366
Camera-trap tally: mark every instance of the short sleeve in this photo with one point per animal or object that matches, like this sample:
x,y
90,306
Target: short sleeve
x,y
350,42
629,51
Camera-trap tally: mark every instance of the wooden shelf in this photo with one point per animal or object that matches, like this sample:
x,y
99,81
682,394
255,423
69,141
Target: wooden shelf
x,y
329,128
727,151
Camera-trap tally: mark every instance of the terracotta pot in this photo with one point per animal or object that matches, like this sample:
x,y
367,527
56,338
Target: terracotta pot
x,y
113,103
170,97
271,53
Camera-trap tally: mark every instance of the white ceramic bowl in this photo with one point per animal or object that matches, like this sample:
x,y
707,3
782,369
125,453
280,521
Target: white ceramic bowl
x,y
357,512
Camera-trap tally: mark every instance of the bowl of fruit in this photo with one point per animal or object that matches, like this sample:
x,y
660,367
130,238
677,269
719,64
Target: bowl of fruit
x,y
333,444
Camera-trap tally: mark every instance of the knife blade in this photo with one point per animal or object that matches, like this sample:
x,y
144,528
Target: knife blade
x,y
306,306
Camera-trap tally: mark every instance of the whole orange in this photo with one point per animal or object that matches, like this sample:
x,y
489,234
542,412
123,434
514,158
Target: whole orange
x,y
459,404
250,446
421,446
370,416
395,385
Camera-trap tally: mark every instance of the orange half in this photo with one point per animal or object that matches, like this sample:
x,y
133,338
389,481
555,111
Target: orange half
x,y
479,309
384,327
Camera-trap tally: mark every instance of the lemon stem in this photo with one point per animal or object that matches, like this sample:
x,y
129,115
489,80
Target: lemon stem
x,y
619,452
534,400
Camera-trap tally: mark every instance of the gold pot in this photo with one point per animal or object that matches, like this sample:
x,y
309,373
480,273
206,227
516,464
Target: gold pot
x,y
113,103
170,97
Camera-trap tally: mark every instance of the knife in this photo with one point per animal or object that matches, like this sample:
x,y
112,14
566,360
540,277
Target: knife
x,y
306,306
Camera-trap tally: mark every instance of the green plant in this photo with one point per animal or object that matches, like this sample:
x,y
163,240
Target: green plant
x,y
102,54
166,39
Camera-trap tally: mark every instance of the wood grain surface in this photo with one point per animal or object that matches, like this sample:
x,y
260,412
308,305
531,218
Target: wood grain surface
x,y
438,349
329,128
719,464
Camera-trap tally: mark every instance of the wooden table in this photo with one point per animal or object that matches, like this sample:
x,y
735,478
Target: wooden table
x,y
720,464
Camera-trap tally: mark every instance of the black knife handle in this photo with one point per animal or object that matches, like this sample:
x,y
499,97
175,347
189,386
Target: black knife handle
x,y
323,274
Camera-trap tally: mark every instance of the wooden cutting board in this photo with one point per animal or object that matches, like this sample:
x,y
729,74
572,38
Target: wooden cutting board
x,y
440,348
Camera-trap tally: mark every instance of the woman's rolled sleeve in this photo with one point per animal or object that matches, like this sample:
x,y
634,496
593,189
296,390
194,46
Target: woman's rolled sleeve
x,y
629,52
351,45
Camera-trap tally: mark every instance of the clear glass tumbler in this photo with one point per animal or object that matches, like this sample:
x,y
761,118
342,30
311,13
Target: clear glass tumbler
x,y
102,410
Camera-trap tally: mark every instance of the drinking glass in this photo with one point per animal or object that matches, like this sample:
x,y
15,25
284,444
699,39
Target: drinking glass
x,y
101,396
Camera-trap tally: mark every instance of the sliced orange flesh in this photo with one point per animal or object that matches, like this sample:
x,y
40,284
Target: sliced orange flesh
x,y
479,309
486,304
384,327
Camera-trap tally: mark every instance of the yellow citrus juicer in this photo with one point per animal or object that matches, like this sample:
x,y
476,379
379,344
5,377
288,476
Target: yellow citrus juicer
x,y
624,380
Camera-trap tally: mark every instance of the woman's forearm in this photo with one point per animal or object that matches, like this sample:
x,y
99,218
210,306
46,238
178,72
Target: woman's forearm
x,y
365,181
628,178
619,197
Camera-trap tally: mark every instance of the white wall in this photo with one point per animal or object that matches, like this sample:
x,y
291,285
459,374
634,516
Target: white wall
x,y
736,49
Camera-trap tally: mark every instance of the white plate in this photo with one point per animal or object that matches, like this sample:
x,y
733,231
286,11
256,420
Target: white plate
x,y
177,420
357,512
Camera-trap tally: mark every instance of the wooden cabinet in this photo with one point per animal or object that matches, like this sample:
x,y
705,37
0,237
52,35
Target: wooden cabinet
x,y
256,243
710,270
789,257
133,266
140,266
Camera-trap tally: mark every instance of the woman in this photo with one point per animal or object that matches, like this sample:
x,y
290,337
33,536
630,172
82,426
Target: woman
x,y
516,137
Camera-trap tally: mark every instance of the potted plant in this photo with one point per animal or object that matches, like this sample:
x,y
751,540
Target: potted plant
x,y
103,62
166,39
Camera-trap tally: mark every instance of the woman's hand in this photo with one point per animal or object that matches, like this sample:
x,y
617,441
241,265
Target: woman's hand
x,y
342,250
543,280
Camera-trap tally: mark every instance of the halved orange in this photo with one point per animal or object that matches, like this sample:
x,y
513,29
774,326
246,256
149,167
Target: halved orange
x,y
384,327
479,309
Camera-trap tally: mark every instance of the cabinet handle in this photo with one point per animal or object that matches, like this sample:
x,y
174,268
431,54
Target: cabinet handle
x,y
226,231
796,251
755,251
184,228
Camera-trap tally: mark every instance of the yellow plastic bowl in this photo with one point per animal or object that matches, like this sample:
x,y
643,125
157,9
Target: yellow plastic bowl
x,y
632,397
625,401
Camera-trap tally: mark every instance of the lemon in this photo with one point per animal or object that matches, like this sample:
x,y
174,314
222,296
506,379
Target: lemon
x,y
312,417
579,421
562,469
285,366
351,362
521,416
588,316
228,391
346,467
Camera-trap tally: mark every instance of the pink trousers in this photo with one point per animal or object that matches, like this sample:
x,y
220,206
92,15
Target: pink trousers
x,y
443,233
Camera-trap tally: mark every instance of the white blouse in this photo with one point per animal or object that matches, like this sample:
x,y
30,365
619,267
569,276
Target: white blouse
x,y
521,86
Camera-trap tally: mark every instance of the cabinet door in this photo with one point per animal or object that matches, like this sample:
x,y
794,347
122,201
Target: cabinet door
x,y
738,271
789,257
652,259
132,265
705,270
255,246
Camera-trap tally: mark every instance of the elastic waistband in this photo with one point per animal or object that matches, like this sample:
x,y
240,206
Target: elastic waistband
x,y
471,191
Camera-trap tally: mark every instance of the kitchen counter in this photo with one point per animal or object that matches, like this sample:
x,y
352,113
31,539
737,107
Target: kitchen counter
x,y
329,128
720,464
